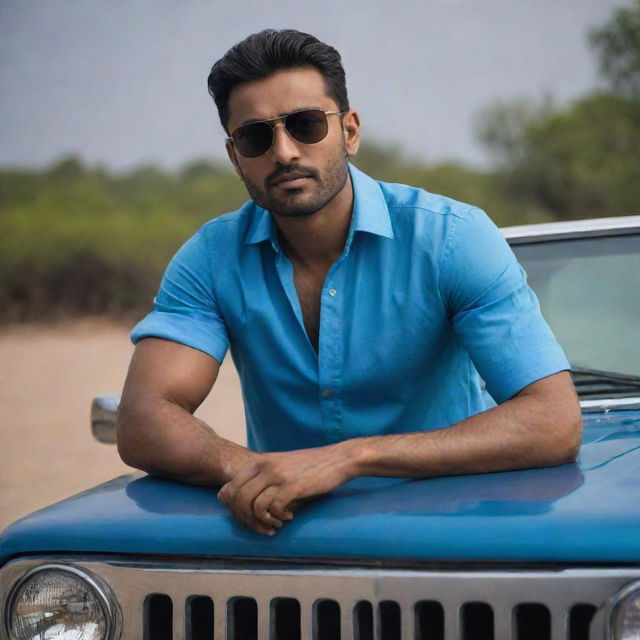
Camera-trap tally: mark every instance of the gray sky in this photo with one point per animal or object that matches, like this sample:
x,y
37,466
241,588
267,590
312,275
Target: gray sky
x,y
123,82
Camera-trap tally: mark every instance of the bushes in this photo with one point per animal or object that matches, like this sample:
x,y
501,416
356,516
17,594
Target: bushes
x,y
78,240
74,240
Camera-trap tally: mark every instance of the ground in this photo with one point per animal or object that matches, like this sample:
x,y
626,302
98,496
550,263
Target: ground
x,y
48,376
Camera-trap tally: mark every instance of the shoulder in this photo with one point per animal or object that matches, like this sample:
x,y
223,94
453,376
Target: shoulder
x,y
212,242
435,221
223,238
403,199
407,202
227,226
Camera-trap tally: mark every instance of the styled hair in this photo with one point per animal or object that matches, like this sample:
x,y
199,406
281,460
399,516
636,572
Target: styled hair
x,y
262,54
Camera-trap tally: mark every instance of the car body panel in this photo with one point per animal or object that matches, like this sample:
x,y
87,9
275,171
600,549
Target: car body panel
x,y
584,512
566,538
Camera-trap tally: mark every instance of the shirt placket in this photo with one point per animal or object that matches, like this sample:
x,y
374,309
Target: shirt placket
x,y
330,352
284,268
330,345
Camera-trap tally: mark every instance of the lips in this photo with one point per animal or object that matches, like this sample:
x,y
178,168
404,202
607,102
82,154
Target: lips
x,y
291,179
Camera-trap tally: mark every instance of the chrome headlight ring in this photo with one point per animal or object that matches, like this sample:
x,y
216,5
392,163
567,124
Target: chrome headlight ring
x,y
618,606
101,591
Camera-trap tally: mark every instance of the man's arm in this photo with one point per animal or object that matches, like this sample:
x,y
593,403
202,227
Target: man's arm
x,y
539,426
166,383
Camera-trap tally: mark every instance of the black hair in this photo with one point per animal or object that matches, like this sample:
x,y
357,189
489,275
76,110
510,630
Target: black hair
x,y
262,54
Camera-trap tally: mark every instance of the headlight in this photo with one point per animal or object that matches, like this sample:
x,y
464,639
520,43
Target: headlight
x,y
59,602
625,614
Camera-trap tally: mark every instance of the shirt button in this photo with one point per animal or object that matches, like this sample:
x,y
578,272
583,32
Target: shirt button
x,y
332,292
327,393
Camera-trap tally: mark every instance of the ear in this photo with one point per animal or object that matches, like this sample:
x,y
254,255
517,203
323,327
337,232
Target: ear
x,y
231,152
351,127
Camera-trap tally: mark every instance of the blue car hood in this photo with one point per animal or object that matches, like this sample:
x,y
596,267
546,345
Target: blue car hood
x,y
584,512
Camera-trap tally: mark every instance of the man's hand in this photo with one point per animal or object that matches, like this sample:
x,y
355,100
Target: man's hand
x,y
540,426
267,493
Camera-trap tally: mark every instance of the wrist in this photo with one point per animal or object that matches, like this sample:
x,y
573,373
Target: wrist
x,y
235,459
354,452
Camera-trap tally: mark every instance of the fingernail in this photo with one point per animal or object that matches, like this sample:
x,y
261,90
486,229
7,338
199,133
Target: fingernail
x,y
272,532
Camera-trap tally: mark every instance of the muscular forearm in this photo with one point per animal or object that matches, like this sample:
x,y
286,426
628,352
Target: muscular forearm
x,y
541,426
164,439
524,432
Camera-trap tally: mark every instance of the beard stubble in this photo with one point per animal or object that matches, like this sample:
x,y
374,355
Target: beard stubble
x,y
330,182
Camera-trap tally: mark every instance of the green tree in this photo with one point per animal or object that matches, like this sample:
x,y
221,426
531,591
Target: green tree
x,y
502,128
582,160
618,46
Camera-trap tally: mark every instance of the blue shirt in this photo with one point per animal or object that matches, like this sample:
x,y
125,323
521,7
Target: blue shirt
x,y
426,294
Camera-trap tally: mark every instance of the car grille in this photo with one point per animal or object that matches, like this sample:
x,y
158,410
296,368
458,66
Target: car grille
x,y
365,620
226,600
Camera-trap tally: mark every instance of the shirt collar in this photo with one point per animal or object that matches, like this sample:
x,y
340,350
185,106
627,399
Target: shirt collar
x,y
370,213
261,227
370,210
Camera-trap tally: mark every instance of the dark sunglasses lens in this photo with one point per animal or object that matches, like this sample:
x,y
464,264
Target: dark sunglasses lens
x,y
307,127
252,140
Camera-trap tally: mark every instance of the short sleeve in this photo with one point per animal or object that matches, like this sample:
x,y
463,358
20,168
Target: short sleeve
x,y
185,309
493,310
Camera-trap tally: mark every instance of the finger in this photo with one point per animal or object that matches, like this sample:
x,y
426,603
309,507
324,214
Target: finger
x,y
228,496
242,501
261,508
281,505
223,493
228,490
254,524
265,530
238,480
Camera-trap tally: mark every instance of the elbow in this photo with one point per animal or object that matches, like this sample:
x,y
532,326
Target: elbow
x,y
125,451
576,440
568,436
557,419
128,439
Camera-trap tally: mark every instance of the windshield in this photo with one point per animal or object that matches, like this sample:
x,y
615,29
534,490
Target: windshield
x,y
589,292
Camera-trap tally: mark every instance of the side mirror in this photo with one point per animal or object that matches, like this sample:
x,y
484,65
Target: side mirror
x,y
104,412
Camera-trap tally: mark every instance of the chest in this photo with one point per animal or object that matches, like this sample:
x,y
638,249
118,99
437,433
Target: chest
x,y
357,318
308,285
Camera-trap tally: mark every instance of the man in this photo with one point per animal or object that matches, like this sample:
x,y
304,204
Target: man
x,y
358,313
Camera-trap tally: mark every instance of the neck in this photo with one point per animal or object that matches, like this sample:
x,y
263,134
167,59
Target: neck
x,y
318,239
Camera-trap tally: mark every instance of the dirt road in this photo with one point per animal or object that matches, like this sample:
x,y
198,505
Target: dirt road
x,y
48,376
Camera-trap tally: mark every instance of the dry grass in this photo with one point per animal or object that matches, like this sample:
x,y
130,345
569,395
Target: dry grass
x,y
48,375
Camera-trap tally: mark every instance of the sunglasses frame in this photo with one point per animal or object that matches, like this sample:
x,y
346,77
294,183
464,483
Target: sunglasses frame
x,y
283,124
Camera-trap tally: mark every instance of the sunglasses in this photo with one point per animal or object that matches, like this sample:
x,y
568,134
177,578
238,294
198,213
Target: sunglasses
x,y
308,126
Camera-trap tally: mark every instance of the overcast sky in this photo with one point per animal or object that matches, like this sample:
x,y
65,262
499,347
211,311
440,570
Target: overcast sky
x,y
123,82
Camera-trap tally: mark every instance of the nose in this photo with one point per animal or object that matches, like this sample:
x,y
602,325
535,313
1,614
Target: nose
x,y
284,147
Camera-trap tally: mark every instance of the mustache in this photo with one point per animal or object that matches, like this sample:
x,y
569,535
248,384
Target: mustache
x,y
290,168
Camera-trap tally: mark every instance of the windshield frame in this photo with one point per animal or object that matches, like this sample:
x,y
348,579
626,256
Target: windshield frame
x,y
576,229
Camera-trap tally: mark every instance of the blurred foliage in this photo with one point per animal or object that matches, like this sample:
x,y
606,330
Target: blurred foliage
x,y
583,160
618,46
579,162
75,239
79,240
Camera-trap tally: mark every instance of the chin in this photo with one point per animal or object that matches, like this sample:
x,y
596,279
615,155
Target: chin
x,y
294,210
303,202
295,204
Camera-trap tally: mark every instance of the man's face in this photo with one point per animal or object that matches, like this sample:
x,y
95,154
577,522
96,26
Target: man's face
x,y
291,178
